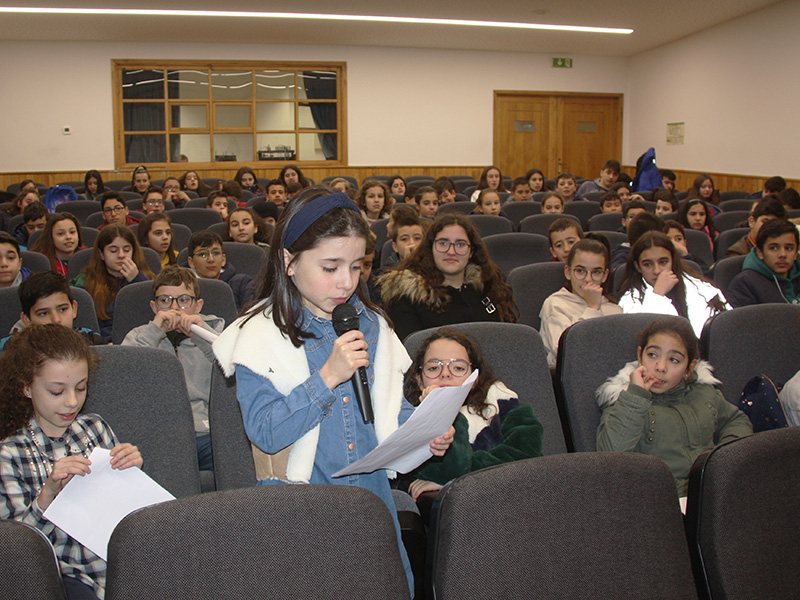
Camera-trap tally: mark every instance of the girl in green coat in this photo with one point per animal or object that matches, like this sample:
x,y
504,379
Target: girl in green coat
x,y
665,404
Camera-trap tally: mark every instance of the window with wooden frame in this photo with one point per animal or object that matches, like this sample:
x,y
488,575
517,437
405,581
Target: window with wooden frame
x,y
224,111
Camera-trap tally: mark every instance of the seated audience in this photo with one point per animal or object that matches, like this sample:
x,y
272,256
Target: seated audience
x,y
665,404
93,185
292,174
567,186
246,227
491,178
696,214
640,223
276,192
115,210
766,209
608,177
397,185
629,211
488,203
445,189
34,218
59,240
656,282
448,279
426,201
116,261
563,234
218,201
771,271
177,306
552,204
703,188
190,181
492,427
668,179
582,297
155,232
773,185
536,181
173,192
610,202
246,178
153,200
339,184
374,200
520,190
140,180
665,200
12,273
207,258
233,192
268,211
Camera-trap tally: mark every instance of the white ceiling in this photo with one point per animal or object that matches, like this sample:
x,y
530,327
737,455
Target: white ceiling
x,y
654,23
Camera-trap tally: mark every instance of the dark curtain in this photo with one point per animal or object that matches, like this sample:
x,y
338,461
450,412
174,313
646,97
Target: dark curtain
x,y
145,85
322,86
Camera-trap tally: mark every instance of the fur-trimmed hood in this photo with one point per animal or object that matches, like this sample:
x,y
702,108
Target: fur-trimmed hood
x,y
609,391
405,283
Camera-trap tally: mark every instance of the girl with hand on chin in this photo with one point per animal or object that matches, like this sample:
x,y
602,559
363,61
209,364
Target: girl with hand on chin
x,y
293,371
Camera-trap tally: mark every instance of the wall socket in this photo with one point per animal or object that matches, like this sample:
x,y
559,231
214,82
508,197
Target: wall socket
x,y
66,130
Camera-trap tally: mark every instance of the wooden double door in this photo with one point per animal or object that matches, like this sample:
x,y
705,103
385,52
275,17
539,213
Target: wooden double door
x,y
556,132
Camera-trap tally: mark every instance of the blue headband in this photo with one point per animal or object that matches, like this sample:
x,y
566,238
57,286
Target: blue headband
x,y
311,212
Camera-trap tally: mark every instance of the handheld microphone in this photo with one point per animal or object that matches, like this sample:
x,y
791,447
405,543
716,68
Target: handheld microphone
x,y
345,318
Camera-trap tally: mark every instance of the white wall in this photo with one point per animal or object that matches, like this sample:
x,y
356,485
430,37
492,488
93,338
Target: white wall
x,y
736,87
405,106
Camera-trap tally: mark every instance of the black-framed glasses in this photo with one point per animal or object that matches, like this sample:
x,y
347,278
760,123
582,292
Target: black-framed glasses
x,y
116,210
184,301
460,247
205,255
433,368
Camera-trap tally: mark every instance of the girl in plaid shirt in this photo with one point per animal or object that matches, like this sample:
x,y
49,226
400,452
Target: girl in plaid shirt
x,y
46,442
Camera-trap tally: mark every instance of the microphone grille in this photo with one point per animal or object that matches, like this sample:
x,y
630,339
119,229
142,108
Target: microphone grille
x,y
345,318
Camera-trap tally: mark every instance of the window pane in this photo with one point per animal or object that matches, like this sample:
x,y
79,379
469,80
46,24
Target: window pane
x,y
274,85
276,146
189,116
194,146
188,83
145,148
232,116
318,115
315,146
231,85
142,83
277,116
143,116
316,85
233,146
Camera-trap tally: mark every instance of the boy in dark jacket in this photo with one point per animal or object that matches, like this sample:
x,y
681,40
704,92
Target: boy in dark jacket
x,y
771,271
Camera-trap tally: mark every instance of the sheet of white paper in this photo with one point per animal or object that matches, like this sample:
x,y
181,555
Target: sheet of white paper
x,y
407,448
89,507
204,333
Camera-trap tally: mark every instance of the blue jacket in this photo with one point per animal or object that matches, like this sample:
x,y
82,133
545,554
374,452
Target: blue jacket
x,y
648,176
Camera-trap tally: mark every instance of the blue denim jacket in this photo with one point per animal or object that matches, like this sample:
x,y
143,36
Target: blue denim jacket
x,y
274,421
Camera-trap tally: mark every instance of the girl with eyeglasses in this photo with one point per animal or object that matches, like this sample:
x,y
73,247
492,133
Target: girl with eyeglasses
x,y
448,279
582,297
492,427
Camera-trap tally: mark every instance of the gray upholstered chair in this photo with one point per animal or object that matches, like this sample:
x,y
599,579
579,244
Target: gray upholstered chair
x,y
751,340
531,285
80,209
584,210
141,393
517,356
726,269
731,219
80,260
541,223
285,541
699,245
727,239
35,261
491,224
512,250
516,211
591,525
28,564
10,309
605,222
133,305
743,517
195,219
463,207
589,352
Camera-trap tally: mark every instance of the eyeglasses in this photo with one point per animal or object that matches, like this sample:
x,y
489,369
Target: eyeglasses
x,y
581,273
443,246
116,210
184,301
155,203
215,255
458,367
171,188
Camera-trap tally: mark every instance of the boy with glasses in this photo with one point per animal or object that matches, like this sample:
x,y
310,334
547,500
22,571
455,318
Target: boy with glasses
x,y
207,259
115,211
176,305
153,201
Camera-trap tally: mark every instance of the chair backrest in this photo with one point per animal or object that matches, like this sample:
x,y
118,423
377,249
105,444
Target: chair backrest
x,y
195,219
517,356
742,517
584,211
728,238
615,238
386,254
597,525
750,340
589,352
10,309
379,229
141,393
219,228
699,245
605,222
731,219
532,284
726,269
420,180
14,222
490,224
593,196
463,184
239,543
36,262
79,261
463,208
233,458
246,258
516,211
28,564
739,203
729,195
512,250
541,223
80,209
116,184
132,307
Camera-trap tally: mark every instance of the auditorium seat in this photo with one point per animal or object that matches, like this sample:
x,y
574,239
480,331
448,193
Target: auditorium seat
x,y
531,285
28,565
512,250
541,223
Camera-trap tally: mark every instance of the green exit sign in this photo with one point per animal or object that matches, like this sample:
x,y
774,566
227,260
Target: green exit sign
x,y
562,63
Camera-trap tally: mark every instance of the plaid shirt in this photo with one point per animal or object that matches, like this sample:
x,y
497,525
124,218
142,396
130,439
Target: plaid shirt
x,y
26,461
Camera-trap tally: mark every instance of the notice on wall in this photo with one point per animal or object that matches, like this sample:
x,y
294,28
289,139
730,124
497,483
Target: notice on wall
x,y
675,132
